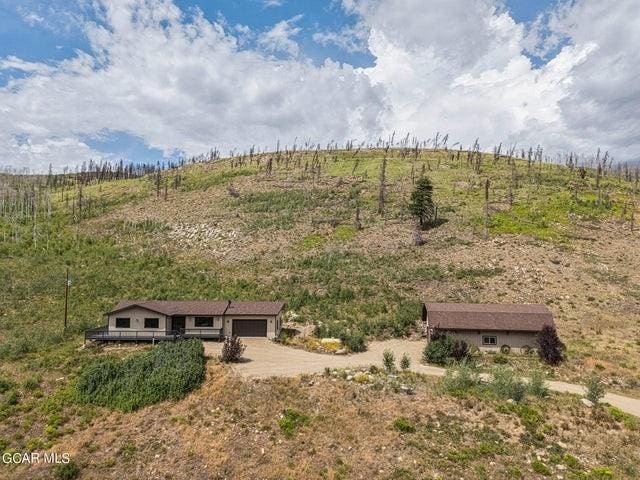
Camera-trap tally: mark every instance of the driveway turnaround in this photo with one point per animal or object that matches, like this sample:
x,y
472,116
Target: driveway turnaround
x,y
264,358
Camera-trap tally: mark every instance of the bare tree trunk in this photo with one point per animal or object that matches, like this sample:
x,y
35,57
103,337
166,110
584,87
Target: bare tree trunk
x,y
486,210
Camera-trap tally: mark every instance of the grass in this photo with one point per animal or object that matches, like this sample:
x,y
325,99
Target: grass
x,y
167,372
291,421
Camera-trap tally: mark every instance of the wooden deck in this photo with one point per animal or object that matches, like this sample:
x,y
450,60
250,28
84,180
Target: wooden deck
x,y
103,334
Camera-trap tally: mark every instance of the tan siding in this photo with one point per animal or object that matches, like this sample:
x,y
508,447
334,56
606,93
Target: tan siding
x,y
137,316
516,340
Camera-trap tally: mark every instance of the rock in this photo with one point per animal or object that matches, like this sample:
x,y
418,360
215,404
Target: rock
x,y
330,340
586,402
349,378
342,351
511,400
562,445
561,467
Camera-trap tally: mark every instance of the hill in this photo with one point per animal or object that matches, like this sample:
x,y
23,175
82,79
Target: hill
x,y
308,227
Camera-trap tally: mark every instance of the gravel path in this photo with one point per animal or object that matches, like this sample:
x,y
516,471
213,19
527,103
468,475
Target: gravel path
x,y
264,359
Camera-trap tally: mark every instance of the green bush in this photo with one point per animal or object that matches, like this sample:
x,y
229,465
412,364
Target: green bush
x,y
66,471
595,389
404,425
405,362
438,351
389,360
5,384
292,420
540,468
167,372
443,348
354,340
504,383
537,386
457,380
500,359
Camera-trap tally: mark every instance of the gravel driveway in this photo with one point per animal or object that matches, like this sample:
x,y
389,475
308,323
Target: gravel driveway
x,y
264,358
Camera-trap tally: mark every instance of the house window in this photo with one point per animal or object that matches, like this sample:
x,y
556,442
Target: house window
x,y
203,321
489,340
123,323
151,323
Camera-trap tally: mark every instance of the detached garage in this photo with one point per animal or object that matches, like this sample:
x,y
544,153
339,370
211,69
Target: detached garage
x,y
254,319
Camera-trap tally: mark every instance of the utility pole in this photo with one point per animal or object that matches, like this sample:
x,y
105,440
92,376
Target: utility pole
x,y
67,284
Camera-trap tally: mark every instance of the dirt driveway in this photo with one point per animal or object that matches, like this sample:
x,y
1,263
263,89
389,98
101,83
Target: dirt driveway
x,y
264,358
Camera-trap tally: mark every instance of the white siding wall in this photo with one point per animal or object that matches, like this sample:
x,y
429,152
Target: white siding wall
x,y
137,316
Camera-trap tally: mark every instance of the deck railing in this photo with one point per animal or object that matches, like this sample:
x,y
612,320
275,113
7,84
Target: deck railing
x,y
104,334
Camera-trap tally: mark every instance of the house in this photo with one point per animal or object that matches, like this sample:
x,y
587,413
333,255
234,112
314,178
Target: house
x,y
151,320
490,327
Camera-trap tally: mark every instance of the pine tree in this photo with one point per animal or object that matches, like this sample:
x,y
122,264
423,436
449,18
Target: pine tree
x,y
422,205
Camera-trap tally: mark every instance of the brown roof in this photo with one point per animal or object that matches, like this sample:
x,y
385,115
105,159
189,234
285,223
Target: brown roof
x,y
175,307
477,316
255,308
201,307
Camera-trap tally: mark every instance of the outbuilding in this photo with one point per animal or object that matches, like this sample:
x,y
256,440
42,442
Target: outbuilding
x,y
490,327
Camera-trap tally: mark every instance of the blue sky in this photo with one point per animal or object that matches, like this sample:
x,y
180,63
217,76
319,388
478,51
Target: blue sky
x,y
47,32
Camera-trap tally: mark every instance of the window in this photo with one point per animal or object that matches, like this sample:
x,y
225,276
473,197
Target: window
x,y
151,323
203,321
489,340
123,323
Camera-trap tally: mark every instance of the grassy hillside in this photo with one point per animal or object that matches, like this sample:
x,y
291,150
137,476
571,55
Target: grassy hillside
x,y
282,226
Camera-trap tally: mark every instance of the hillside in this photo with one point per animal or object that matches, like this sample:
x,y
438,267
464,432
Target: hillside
x,y
283,226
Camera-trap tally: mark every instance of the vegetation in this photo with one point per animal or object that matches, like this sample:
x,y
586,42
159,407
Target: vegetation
x,y
550,348
404,425
66,471
444,348
291,420
168,371
422,205
389,360
232,349
405,362
595,389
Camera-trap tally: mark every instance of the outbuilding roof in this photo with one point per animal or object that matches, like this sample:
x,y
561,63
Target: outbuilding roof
x,y
479,316
201,307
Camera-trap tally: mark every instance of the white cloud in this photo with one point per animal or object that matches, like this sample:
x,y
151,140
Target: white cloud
x,y
454,66
280,37
177,83
350,38
272,3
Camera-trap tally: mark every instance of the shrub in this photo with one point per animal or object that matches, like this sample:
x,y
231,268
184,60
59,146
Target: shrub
x,y
537,386
506,385
389,360
541,468
405,362
169,371
66,471
292,420
550,348
354,340
461,378
595,389
5,384
500,359
459,350
600,473
232,349
404,425
438,350
618,415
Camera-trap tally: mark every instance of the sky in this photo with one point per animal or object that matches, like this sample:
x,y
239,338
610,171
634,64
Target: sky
x,y
156,80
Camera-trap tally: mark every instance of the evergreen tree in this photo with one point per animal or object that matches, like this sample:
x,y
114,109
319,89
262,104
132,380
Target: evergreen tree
x,y
422,205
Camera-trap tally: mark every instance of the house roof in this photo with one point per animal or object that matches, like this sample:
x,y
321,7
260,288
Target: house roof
x,y
478,316
201,307
255,308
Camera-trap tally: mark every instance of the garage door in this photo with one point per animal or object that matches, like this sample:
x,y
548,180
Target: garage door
x,y
250,328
